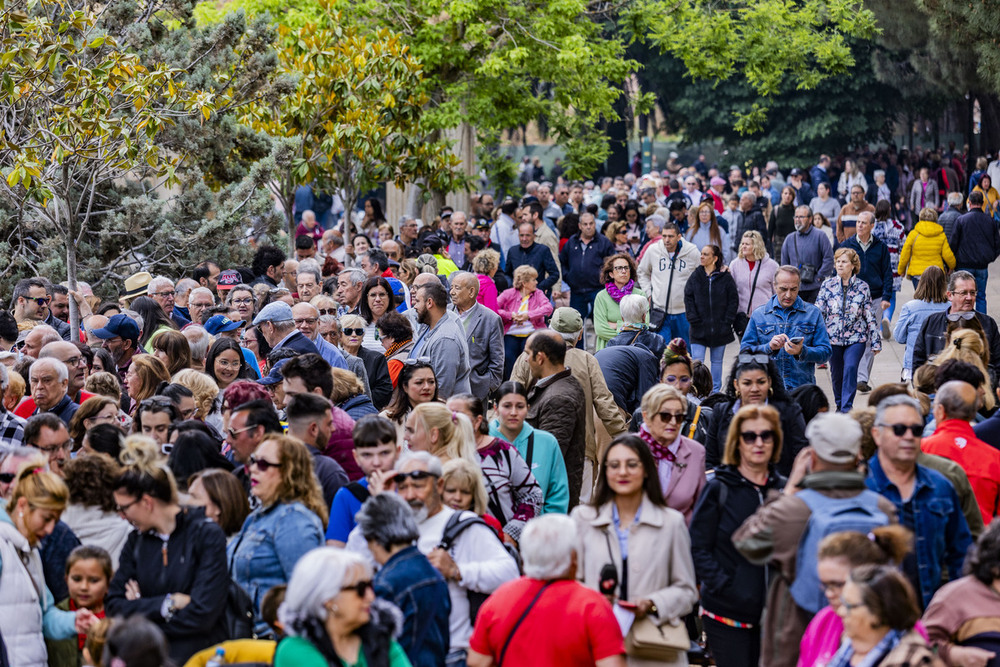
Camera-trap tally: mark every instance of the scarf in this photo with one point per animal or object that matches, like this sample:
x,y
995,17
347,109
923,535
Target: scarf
x,y
619,294
842,658
660,452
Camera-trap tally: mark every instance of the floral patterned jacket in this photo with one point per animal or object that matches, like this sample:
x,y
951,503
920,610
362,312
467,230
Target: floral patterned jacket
x,y
848,313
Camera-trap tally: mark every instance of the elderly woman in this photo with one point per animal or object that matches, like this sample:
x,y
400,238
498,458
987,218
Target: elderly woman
x,y
406,578
753,271
523,309
352,335
628,525
680,461
487,265
962,613
879,610
349,395
620,280
633,327
733,590
710,302
396,334
289,522
331,616
27,607
846,305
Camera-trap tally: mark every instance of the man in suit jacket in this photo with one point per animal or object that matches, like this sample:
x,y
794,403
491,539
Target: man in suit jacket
x,y
484,334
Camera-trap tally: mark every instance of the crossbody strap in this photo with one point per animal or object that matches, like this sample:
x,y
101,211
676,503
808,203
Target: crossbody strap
x,y
524,615
670,283
756,275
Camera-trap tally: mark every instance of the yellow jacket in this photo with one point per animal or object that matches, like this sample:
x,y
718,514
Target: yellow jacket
x,y
925,246
237,650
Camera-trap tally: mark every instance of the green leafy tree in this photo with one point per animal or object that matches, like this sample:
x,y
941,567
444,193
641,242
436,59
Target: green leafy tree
x,y
354,119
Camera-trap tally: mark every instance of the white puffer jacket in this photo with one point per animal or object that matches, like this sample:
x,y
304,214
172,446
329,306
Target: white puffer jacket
x,y
26,606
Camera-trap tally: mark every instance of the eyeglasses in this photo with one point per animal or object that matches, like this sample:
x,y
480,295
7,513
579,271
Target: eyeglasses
x,y
753,359
42,300
418,360
832,585
849,606
74,361
679,379
241,302
327,311
417,475
676,417
360,589
353,332
309,320
966,316
49,451
227,364
121,509
262,465
622,269
899,430
750,437
166,295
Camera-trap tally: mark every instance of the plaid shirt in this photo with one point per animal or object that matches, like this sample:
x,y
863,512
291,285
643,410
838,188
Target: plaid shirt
x,y
11,429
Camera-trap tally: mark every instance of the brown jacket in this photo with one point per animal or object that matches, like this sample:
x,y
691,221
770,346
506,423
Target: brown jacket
x,y
556,404
771,537
959,610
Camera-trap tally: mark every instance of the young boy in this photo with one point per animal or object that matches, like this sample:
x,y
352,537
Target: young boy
x,y
376,451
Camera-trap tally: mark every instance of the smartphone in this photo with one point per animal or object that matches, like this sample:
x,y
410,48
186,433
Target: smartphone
x,y
631,606
796,340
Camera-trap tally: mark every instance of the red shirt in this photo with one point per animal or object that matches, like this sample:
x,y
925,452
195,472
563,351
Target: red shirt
x,y
570,625
27,406
955,440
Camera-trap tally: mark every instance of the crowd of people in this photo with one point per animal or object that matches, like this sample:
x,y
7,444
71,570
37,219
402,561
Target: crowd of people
x,y
401,445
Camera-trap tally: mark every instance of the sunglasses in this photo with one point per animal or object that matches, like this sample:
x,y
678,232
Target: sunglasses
x,y
955,317
42,300
750,437
418,360
360,588
899,430
352,332
262,465
676,417
417,475
327,311
7,477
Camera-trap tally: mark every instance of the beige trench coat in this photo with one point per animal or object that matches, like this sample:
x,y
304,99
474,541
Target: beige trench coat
x,y
659,560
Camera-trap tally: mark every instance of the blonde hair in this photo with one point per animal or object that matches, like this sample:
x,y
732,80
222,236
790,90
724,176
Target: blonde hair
x,y
457,439
44,490
345,385
298,483
467,477
524,273
759,249
352,322
659,394
852,257
106,384
486,261
731,453
145,472
967,345
204,388
928,214
15,387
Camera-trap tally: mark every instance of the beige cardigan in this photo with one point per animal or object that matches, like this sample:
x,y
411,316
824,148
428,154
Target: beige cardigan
x,y
659,563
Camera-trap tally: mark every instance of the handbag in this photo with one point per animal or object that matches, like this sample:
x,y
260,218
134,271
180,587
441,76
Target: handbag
x,y
742,320
807,272
657,316
648,641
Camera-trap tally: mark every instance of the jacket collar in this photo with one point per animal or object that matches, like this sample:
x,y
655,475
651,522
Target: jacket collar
x,y
649,514
956,427
882,481
773,305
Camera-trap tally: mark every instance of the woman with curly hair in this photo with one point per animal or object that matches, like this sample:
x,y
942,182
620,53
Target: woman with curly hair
x,y
91,511
205,391
290,521
620,279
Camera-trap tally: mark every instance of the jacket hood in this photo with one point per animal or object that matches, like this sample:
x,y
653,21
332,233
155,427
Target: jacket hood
x,y
928,228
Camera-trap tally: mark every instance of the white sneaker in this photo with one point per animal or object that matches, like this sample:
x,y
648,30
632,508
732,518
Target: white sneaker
x,y
886,329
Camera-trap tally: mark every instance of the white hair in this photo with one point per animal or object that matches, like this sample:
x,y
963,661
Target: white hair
x,y
201,290
318,577
198,340
634,308
432,462
59,367
954,199
156,283
136,317
4,378
185,285
547,546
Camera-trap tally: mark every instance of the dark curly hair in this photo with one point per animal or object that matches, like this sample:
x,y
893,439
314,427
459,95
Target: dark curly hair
x,y
984,560
91,480
607,273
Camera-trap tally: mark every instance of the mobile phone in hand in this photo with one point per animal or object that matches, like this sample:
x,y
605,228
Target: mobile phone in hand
x,y
796,340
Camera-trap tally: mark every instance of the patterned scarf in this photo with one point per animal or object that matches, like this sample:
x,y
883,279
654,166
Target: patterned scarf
x,y
618,294
660,452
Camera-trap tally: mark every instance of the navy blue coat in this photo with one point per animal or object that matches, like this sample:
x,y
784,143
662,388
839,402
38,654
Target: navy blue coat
x,y
876,270
582,263
975,240
540,257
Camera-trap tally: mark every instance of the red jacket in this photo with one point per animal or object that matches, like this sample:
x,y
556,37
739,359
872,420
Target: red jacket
x,y
955,440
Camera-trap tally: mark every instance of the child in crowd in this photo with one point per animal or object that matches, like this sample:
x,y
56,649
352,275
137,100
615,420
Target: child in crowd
x,y
88,573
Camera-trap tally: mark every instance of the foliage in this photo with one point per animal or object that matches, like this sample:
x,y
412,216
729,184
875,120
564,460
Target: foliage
x,y
355,118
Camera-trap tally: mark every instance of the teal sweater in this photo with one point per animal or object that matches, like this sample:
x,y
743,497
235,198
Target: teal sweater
x,y
547,465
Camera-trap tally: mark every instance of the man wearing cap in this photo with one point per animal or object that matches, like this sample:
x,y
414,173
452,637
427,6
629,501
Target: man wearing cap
x,y
582,259
924,499
803,192
121,339
962,294
161,290
276,323
598,398
306,319
773,534
483,334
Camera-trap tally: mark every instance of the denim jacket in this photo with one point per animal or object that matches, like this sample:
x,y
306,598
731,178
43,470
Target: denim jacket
x,y
268,546
801,319
410,582
941,534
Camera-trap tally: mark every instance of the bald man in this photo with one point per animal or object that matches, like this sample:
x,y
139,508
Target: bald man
x,y
483,332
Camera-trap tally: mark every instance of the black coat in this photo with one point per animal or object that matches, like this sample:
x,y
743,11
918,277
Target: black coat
x,y
196,565
793,431
975,240
934,332
710,303
378,376
540,257
629,371
730,585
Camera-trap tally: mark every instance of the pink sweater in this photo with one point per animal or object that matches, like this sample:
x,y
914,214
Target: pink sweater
x,y
487,292
538,308
824,635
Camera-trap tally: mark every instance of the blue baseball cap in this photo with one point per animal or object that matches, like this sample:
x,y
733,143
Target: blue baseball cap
x,y
278,311
274,376
120,325
217,324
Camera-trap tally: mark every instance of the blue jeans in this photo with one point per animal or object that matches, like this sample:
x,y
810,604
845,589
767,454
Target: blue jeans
x,y
675,326
844,362
981,276
513,346
583,303
892,306
717,355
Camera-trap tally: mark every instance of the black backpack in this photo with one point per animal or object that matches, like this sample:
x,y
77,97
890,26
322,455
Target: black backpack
x,y
456,525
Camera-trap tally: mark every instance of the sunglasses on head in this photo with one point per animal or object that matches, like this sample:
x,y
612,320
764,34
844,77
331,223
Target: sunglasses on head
x,y
353,332
416,475
418,360
753,359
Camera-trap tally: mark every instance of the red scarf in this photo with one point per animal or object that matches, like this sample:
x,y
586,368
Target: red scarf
x,y
660,452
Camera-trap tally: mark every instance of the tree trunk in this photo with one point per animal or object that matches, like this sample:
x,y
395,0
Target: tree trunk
x,y
290,221
71,272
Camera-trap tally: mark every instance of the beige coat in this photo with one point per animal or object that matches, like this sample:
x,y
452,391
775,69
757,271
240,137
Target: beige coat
x,y
659,560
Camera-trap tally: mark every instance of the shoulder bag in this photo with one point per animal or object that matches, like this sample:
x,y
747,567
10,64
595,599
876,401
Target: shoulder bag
x,y
658,315
743,319
807,272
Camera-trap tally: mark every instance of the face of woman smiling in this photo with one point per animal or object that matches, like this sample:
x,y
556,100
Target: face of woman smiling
x,y
227,368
